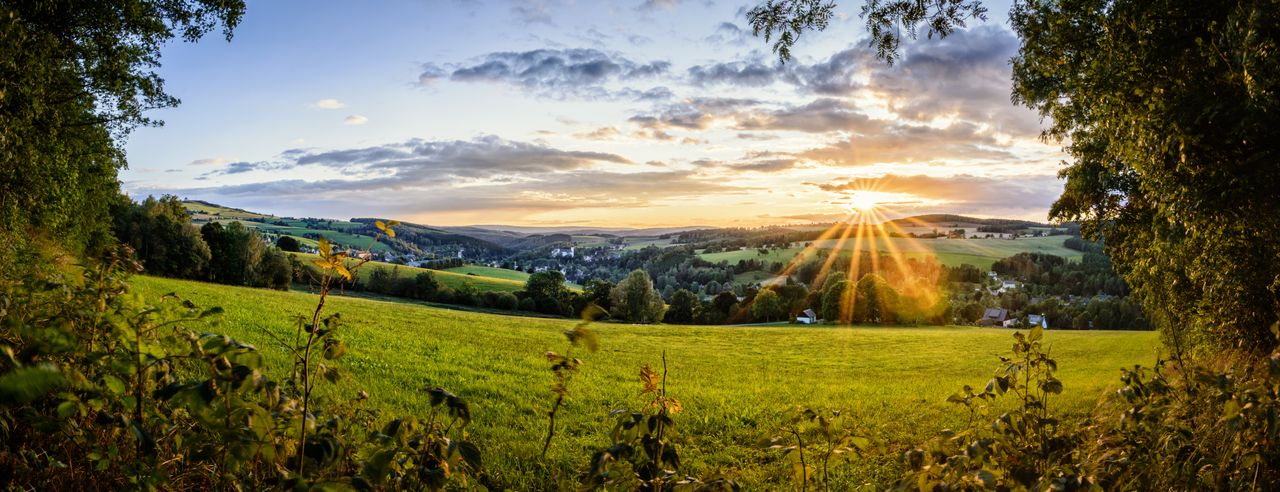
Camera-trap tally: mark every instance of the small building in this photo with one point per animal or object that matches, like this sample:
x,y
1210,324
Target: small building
x,y
994,317
808,317
1006,286
1037,320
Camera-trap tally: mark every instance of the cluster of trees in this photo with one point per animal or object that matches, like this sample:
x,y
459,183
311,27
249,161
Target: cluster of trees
x,y
1045,274
168,244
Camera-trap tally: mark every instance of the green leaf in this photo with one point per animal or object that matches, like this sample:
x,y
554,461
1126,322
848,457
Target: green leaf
x,y
26,384
1036,334
67,409
471,454
113,384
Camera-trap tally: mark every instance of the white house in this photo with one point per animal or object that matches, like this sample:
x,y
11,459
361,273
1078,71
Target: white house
x,y
1006,286
1037,320
808,317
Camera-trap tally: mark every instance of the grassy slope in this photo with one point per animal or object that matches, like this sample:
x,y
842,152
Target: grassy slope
x,y
951,252
733,381
445,277
492,272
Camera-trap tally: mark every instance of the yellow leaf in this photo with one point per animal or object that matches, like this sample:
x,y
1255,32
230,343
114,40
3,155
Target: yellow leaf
x,y
325,249
320,263
649,378
381,226
391,232
343,271
393,223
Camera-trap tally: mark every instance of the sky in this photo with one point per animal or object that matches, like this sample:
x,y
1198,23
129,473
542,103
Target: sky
x,y
634,113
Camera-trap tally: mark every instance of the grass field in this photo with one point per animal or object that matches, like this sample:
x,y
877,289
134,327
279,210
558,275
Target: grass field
x,y
345,239
734,382
445,277
951,252
492,272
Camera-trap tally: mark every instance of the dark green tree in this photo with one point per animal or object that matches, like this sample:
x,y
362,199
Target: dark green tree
x,y
76,78
548,291
634,299
288,243
875,301
834,299
684,307
161,234
767,306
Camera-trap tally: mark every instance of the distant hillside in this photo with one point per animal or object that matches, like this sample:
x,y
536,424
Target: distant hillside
x,y
942,220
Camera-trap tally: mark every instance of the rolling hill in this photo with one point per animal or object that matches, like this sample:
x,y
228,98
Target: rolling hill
x,y
734,383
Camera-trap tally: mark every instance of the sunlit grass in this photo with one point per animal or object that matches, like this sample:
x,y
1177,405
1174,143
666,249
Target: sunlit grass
x,y
734,381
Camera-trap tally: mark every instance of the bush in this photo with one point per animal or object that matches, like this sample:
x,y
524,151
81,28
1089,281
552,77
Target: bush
x,y
104,389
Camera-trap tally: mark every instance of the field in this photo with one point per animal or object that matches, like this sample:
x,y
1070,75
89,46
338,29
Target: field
x,y
492,272
734,382
951,252
450,278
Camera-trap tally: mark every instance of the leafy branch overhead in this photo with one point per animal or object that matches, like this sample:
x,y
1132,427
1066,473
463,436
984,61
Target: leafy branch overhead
x,y
784,21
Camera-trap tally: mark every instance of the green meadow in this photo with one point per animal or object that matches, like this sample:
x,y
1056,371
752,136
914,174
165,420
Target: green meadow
x,y
734,382
951,252
479,277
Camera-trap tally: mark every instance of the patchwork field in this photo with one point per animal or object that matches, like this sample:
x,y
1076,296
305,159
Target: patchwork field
x,y
451,277
951,252
734,382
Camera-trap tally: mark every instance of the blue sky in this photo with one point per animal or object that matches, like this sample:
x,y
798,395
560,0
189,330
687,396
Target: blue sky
x,y
633,113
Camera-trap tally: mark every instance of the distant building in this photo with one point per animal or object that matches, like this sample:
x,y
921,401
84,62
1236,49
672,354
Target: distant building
x,y
994,316
1007,285
1037,320
808,317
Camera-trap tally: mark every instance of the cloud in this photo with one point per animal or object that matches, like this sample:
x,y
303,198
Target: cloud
x,y
967,75
486,173
210,161
355,119
650,5
911,143
819,116
693,113
550,71
752,164
328,104
740,74
604,133
532,12
730,34
988,195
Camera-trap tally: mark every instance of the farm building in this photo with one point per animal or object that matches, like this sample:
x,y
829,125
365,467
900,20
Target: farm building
x,y
994,316
808,317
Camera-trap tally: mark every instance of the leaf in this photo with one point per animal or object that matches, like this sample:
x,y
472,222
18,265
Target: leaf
x,y
213,311
325,248
29,383
471,454
380,225
346,274
320,263
1036,334
67,409
114,384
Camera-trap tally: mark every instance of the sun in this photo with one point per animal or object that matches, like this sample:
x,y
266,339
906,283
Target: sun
x,y
863,202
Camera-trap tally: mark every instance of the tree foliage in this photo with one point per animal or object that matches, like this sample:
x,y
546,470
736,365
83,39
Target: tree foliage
x,y
887,21
75,77
1170,113
635,300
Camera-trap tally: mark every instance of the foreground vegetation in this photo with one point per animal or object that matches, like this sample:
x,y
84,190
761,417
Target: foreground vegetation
x,y
735,383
